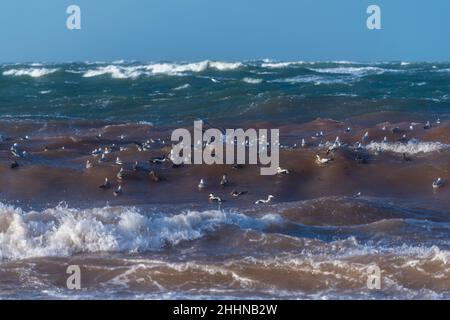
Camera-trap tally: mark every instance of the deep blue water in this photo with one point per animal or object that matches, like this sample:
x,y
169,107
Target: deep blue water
x,y
173,93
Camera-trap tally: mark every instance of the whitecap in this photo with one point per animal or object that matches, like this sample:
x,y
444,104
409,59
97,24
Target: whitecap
x,y
252,80
62,231
182,87
412,147
114,71
31,72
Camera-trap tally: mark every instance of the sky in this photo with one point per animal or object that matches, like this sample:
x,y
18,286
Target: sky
x,y
231,30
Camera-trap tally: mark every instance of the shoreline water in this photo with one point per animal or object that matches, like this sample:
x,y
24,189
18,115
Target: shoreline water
x,y
164,239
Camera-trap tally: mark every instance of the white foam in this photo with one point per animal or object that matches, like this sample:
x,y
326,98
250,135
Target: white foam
x,y
357,71
252,80
182,87
315,79
31,72
280,65
62,231
116,72
412,147
172,69
180,69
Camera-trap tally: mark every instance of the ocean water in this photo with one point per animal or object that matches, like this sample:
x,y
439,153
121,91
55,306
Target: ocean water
x,y
374,204
173,93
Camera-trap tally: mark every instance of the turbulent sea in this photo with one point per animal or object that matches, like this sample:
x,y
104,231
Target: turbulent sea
x,y
373,204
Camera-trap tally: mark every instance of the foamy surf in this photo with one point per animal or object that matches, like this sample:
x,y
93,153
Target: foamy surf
x,y
62,231
31,72
413,146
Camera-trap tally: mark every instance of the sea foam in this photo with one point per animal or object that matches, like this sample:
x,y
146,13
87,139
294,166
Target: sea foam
x,y
31,72
412,147
170,69
62,231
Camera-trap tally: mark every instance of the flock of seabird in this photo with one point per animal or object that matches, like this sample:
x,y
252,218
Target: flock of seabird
x,y
101,153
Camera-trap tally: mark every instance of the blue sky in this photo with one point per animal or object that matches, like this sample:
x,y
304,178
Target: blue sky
x,y
190,30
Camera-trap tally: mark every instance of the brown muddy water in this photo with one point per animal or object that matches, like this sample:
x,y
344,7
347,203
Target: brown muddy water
x,y
372,205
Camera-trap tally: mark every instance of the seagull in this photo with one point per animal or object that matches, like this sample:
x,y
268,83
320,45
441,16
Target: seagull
x,y
396,130
102,158
224,180
118,191
118,161
403,139
282,171
438,183
161,159
96,151
136,166
202,184
357,195
319,134
88,164
411,127
365,136
303,143
120,174
106,184
385,139
358,146
16,152
348,129
360,159
154,176
427,125
269,199
336,145
236,193
438,121
14,164
320,160
213,198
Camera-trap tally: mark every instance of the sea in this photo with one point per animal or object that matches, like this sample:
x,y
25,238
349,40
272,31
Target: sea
x,y
384,126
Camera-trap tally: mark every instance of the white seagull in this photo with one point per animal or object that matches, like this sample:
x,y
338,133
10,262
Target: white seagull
x,y
320,160
269,199
202,184
282,171
438,183
213,198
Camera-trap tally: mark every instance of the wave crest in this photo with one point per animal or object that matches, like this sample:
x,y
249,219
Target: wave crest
x,y
62,231
31,72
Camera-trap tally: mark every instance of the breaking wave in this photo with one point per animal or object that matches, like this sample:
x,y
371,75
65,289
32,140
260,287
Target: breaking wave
x,y
63,231
171,69
31,72
412,147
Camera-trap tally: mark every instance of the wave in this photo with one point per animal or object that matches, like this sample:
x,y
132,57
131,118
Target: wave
x,y
171,69
63,231
31,72
252,80
114,71
280,65
357,71
182,87
315,79
412,147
